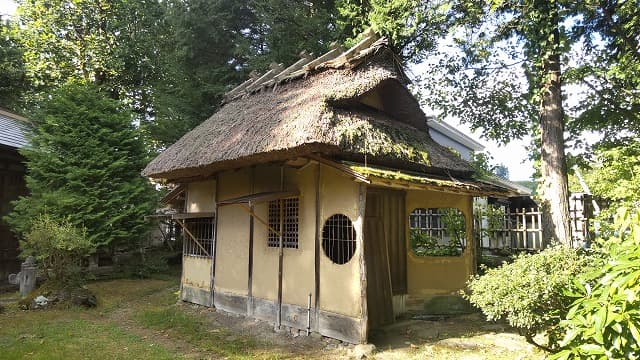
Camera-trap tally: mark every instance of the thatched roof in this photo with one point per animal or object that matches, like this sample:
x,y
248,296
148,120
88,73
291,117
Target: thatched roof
x,y
353,107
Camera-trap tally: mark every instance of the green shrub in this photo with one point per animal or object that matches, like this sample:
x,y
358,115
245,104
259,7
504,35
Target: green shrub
x,y
154,262
604,320
528,292
59,248
423,244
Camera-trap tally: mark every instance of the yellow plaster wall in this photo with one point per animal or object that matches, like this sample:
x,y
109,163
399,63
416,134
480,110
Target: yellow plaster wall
x,y
265,259
196,272
340,284
298,264
431,275
201,196
298,279
232,243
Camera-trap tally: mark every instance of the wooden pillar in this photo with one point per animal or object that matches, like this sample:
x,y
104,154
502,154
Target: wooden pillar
x,y
250,265
280,252
215,241
317,249
364,330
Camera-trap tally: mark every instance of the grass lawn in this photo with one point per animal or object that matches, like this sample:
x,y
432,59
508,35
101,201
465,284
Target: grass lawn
x,y
139,319
77,333
135,319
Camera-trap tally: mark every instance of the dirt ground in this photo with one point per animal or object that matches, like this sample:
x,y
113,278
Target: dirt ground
x,y
123,305
461,337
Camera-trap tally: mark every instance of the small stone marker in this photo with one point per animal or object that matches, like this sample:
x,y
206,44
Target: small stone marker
x,y
26,278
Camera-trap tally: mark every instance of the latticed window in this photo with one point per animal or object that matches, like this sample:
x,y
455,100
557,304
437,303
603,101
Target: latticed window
x,y
339,239
290,212
198,237
437,231
427,220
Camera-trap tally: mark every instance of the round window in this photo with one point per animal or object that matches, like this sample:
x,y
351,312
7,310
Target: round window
x,y
339,239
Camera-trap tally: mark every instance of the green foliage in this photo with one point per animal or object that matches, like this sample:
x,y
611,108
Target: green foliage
x,y
494,62
412,25
454,223
494,217
58,246
482,165
284,28
615,175
485,168
12,69
84,165
604,320
213,45
610,71
205,50
423,243
170,61
108,43
528,292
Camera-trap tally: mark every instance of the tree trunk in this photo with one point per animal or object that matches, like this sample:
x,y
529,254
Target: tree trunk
x,y
554,192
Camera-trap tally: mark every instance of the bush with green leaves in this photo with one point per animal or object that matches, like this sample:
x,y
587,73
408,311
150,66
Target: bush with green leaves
x,y
423,244
604,320
528,292
58,247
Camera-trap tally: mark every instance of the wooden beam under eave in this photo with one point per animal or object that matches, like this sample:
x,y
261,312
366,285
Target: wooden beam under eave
x,y
402,184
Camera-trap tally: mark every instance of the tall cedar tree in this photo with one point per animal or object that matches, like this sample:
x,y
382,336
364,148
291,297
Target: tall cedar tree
x,y
510,62
84,165
513,94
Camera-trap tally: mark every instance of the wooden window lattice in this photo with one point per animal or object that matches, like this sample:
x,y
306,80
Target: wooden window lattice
x,y
203,229
289,224
430,221
339,239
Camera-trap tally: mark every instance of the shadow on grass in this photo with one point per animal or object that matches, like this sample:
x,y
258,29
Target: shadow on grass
x,y
453,337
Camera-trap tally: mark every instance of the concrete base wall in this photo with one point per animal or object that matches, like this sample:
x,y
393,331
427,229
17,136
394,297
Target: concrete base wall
x,y
196,296
326,323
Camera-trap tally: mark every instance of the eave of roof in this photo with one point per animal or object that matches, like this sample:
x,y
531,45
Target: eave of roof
x,y
407,180
455,134
516,189
13,130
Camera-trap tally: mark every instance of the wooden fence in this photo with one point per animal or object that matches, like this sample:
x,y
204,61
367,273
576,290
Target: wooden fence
x,y
521,229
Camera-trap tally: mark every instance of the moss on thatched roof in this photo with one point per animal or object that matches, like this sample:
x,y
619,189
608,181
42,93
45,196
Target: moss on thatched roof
x,y
362,110
450,184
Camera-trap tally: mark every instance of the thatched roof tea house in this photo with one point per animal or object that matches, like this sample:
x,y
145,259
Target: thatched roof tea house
x,y
316,199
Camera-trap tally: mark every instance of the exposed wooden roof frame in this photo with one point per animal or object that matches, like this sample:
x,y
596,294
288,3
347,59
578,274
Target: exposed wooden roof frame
x,y
259,197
